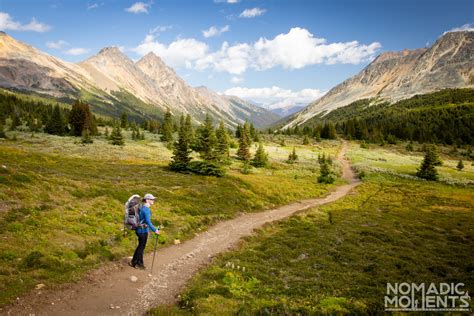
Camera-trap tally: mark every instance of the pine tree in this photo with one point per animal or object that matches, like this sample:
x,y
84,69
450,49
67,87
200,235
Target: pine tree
x,y
86,137
167,128
261,157
427,168
15,121
293,157
305,140
409,146
325,173
244,143
2,132
106,133
460,165
206,140
56,124
116,137
81,118
222,148
124,120
182,148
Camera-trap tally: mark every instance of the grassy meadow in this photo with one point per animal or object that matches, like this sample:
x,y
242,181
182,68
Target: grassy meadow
x,y
61,202
338,258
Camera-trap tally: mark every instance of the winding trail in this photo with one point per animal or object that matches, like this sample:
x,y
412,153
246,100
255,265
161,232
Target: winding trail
x,y
109,291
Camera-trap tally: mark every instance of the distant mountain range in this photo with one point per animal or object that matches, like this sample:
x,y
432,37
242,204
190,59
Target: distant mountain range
x,y
113,83
394,76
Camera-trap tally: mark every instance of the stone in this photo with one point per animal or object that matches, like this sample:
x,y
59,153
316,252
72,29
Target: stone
x,y
177,241
133,279
40,286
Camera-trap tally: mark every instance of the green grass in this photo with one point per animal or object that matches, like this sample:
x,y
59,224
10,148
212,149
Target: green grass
x,y
338,258
396,160
61,203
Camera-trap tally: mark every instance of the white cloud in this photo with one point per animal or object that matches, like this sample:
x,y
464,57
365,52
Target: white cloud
x,y
227,1
94,5
7,23
160,29
465,27
180,53
57,45
214,31
251,13
275,97
76,51
294,50
139,7
236,80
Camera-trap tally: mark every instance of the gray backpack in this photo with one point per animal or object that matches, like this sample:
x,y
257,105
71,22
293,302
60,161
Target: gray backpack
x,y
132,213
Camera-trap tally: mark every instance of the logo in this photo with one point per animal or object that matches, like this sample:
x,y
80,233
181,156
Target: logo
x,y
427,297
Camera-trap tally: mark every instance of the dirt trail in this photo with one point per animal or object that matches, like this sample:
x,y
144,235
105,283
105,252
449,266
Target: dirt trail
x,y
109,291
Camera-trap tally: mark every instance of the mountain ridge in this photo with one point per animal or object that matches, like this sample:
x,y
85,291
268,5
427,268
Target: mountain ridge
x,y
110,77
394,76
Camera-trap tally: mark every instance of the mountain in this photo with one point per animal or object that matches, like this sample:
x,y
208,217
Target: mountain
x,y
113,83
394,76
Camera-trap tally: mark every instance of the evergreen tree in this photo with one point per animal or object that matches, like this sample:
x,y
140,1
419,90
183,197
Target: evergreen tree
x,y
261,157
86,137
238,131
15,121
116,137
409,146
106,133
305,140
189,131
222,148
124,120
167,128
206,141
460,165
293,157
244,143
325,173
81,118
427,169
182,148
2,132
56,124
329,131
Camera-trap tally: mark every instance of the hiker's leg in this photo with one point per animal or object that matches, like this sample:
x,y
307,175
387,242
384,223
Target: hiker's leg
x,y
142,239
137,251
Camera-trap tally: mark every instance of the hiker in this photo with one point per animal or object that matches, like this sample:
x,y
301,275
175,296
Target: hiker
x,y
142,232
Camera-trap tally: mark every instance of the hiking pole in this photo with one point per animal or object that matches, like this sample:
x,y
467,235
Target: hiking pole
x,y
154,253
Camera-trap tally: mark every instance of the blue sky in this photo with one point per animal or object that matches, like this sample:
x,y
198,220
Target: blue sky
x,y
267,51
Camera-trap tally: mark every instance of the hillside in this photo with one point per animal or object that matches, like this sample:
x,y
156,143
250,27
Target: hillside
x,y
393,76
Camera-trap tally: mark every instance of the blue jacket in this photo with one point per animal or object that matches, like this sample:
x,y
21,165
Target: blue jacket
x,y
145,218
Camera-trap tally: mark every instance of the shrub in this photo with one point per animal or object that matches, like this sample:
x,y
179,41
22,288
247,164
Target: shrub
x,y
206,168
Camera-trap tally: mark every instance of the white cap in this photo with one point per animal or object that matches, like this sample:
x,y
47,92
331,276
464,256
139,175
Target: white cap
x,y
149,196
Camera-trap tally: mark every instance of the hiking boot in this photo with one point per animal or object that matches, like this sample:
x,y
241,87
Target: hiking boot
x,y
140,266
132,264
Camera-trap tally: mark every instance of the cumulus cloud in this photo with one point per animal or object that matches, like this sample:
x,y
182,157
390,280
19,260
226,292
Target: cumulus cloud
x,y
465,27
275,97
7,23
76,51
294,50
214,31
139,7
180,53
251,13
57,45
